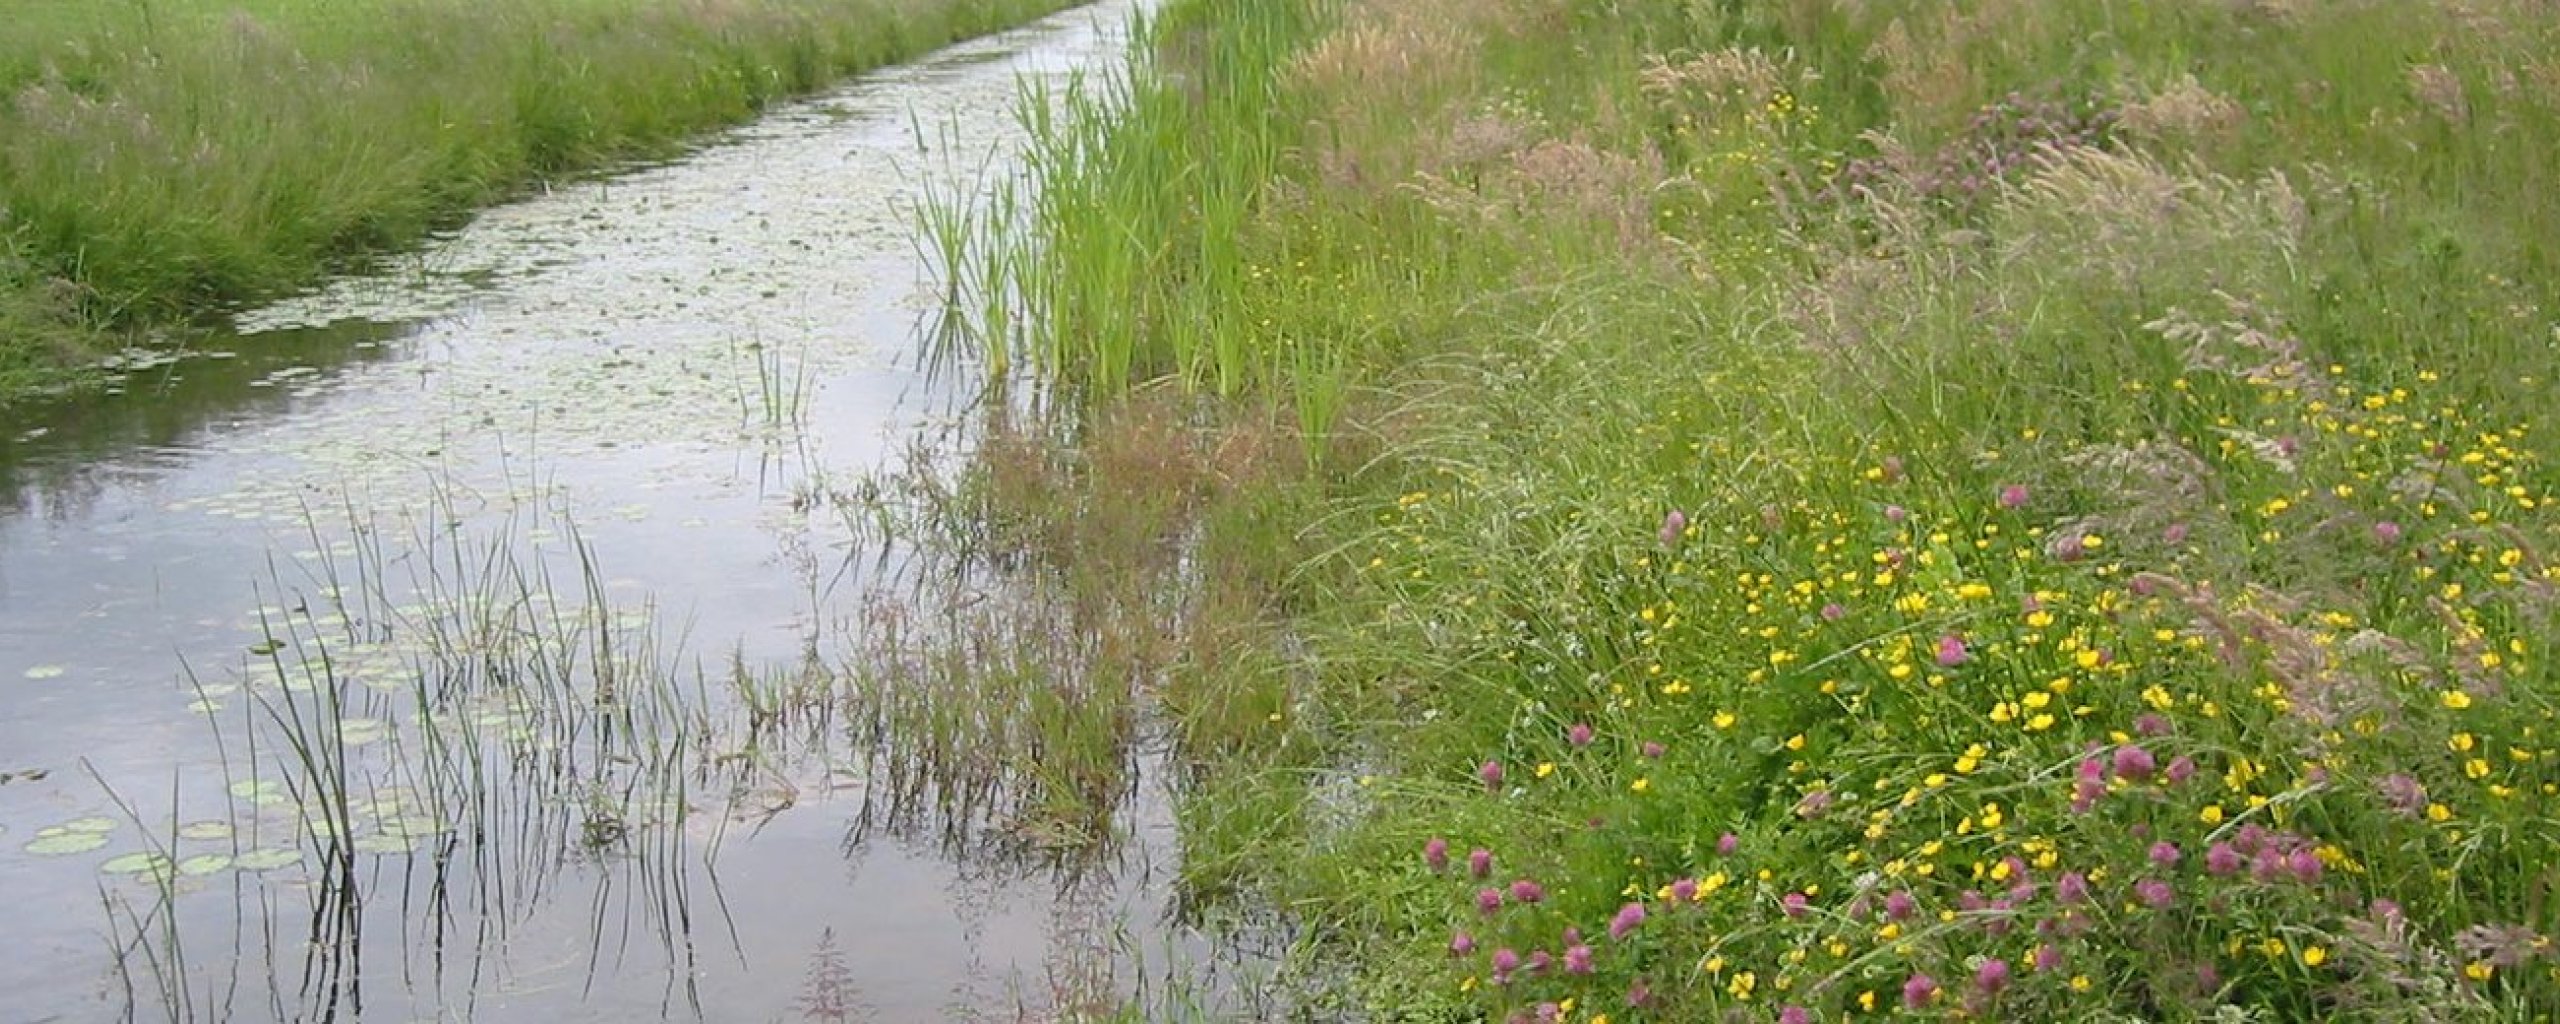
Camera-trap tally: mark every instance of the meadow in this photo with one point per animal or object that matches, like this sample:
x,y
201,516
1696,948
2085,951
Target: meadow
x,y
1825,509
161,161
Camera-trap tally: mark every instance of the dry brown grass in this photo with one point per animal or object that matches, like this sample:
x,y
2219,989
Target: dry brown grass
x,y
2182,113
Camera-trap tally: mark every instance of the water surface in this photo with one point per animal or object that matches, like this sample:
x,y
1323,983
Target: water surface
x,y
619,408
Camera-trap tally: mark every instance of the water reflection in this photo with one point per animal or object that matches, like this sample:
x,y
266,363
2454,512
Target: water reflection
x,y
57,458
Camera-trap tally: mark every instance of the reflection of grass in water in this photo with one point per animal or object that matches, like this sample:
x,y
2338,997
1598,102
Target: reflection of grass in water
x,y
1001,709
529,734
1077,637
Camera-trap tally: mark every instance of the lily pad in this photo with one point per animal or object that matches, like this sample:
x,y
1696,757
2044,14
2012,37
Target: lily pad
x,y
268,858
205,864
93,825
136,864
261,791
205,831
54,842
45,672
385,844
414,826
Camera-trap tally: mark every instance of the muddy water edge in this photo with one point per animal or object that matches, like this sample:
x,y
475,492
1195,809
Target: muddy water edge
x,y
571,624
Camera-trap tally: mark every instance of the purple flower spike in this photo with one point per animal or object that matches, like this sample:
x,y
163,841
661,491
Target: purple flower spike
x,y
1526,891
2047,957
2305,865
1650,749
1578,734
2071,888
2135,763
1898,905
1480,862
1491,773
1627,919
1794,904
2165,854
1795,1015
2181,768
2155,893
1684,891
1462,944
1674,525
1577,960
1919,991
1435,853
1951,652
2223,859
2013,496
1991,977
1488,900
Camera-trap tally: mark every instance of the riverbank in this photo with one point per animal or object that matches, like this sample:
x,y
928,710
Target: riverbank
x,y
1807,510
159,162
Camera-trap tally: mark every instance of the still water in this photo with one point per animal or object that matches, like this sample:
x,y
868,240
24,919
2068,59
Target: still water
x,y
270,614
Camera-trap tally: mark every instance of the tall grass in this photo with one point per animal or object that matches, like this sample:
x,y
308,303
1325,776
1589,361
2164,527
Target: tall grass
x,y
1998,509
159,160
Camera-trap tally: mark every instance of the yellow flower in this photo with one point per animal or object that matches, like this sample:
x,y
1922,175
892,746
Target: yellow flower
x,y
2456,700
1640,785
2479,970
2314,956
1546,768
2211,815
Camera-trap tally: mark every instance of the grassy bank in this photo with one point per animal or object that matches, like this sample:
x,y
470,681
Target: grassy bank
x,y
1820,510
161,159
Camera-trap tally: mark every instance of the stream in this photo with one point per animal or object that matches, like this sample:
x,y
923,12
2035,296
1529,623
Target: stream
x,y
271,612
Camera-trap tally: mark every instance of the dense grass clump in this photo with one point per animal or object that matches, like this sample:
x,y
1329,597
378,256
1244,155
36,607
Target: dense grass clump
x,y
160,159
1837,509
